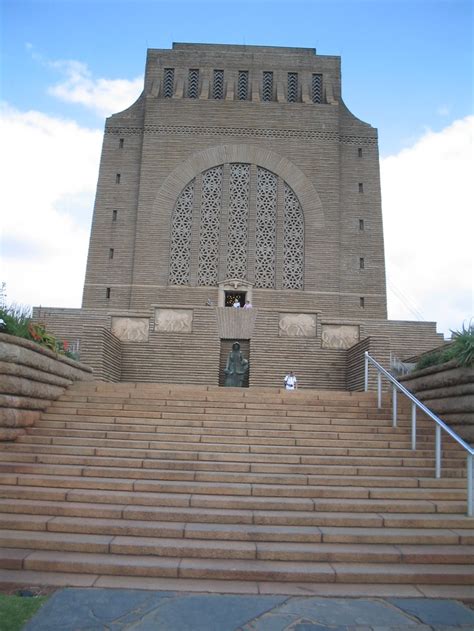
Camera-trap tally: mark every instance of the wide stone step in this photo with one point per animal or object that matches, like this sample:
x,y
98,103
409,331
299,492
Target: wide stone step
x,y
214,509
163,469
162,482
245,569
238,453
77,483
205,548
197,434
340,476
20,528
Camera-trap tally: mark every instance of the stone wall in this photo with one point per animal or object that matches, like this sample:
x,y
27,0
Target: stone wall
x,y
31,377
447,390
378,348
103,351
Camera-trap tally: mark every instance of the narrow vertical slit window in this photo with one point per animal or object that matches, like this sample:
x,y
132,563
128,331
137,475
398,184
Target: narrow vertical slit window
x,y
317,88
361,263
292,94
362,302
267,86
121,143
117,178
359,152
168,82
107,293
361,187
361,224
193,84
111,253
218,85
243,85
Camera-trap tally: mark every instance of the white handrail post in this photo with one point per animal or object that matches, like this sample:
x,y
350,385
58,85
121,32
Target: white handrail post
x,y
438,451
379,389
413,426
394,404
470,484
366,372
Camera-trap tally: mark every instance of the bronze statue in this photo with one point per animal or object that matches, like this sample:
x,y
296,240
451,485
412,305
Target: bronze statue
x,y
236,368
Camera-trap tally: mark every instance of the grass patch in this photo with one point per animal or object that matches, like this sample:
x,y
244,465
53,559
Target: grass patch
x,y
16,610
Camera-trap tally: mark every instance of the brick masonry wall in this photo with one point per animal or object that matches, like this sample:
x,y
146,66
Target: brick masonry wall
x,y
160,136
103,353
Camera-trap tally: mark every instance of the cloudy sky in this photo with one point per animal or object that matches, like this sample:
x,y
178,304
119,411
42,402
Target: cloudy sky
x,y
407,70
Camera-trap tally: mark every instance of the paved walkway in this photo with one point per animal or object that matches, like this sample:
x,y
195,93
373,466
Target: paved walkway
x,y
75,609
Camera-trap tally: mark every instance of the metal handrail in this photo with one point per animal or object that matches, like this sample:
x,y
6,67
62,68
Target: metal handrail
x,y
416,403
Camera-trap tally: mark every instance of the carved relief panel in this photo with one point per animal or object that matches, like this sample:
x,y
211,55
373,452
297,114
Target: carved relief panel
x,y
297,325
339,336
130,329
174,320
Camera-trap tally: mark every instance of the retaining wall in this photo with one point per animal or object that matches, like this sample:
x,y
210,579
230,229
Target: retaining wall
x,y
30,378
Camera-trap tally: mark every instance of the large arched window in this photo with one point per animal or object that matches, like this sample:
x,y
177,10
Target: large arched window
x,y
246,222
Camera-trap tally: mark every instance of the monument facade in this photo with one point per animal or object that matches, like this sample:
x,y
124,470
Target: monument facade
x,y
238,174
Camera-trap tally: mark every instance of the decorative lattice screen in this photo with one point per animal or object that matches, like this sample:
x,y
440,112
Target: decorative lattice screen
x,y
208,230
193,84
292,95
168,82
210,226
265,229
317,88
218,85
293,242
243,86
239,188
267,86
181,237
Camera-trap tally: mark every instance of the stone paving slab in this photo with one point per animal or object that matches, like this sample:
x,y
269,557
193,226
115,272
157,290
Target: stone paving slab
x,y
75,609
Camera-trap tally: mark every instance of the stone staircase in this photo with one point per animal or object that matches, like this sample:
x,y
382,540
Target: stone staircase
x,y
165,486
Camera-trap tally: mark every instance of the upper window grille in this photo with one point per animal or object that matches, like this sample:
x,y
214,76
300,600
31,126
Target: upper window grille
x,y
267,86
193,84
168,82
243,86
292,87
218,85
317,88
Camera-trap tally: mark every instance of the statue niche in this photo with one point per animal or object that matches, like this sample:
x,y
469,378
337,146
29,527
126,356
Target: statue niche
x,y
236,368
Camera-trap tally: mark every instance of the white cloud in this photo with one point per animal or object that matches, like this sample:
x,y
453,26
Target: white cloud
x,y
428,206
103,96
49,169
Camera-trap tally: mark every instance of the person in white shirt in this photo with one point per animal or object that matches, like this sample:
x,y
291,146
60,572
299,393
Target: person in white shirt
x,y
236,303
291,381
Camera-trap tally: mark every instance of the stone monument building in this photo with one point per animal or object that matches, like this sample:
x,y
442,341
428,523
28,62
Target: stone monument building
x,y
239,173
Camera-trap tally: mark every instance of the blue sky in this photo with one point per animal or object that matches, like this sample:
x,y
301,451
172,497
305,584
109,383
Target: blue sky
x,y
406,63
407,68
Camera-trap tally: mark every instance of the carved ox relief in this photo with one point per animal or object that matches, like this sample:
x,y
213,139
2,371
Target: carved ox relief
x,y
297,325
340,336
174,320
130,329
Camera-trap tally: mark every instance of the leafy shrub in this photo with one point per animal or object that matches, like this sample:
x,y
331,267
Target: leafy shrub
x,y
16,320
463,345
461,350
